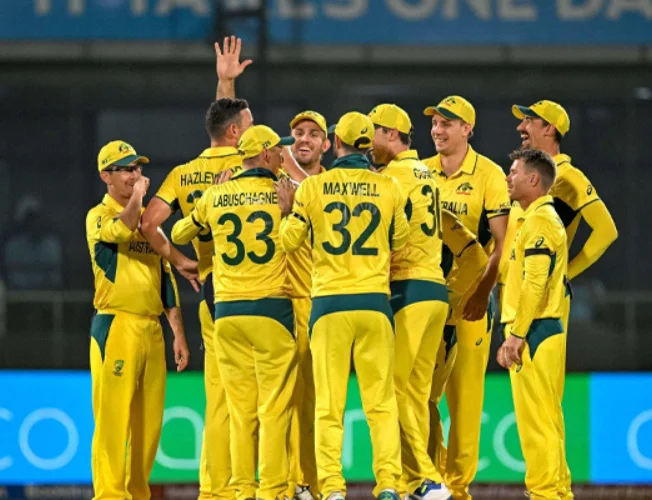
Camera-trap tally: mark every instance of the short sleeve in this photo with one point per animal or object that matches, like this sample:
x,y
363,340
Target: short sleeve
x,y
496,200
168,193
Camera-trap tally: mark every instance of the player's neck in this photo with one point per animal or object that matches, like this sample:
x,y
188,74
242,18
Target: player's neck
x,y
451,163
313,168
122,201
397,150
552,149
530,198
223,143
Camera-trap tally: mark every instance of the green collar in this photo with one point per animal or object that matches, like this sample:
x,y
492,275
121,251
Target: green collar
x,y
352,161
256,172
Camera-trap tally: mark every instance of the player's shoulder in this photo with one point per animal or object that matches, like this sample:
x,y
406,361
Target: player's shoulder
x,y
571,175
430,161
100,209
489,168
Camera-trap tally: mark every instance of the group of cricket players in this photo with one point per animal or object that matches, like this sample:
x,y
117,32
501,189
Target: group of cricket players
x,y
383,260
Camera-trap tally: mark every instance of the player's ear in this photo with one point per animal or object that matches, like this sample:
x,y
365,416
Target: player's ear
x,y
106,178
326,145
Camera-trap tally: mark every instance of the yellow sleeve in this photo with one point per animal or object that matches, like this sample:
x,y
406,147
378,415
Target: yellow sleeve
x,y
102,225
296,226
455,235
603,234
400,234
169,290
189,227
470,257
575,189
167,192
496,200
536,272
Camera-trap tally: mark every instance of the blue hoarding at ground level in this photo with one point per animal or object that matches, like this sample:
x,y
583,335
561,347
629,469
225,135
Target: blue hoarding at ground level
x,y
341,21
621,428
46,426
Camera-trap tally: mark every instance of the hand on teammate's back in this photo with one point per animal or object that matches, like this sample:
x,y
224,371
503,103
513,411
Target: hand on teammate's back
x,y
229,66
223,177
285,189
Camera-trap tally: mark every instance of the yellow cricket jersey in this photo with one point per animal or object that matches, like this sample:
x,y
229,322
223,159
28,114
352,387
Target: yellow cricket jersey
x,y
421,257
535,285
571,192
129,276
186,184
244,217
476,193
300,265
355,217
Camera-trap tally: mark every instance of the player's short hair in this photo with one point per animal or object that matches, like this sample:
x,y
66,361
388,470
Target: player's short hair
x,y
540,161
406,139
221,114
558,136
352,150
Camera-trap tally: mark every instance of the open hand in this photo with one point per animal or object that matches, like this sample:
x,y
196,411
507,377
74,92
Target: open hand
x,y
228,62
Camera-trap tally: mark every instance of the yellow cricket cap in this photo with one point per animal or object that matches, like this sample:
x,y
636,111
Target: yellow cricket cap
x,y
118,153
391,116
259,138
354,129
546,110
313,116
453,107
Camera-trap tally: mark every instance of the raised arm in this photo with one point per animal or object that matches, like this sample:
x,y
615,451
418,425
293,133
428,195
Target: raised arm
x,y
228,66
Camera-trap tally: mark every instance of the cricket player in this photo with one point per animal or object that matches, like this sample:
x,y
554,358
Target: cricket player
x,y
543,126
419,297
474,189
310,131
133,286
226,120
311,141
532,308
354,218
254,328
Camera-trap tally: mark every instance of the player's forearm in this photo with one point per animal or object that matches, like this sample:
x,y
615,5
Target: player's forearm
x,y
225,88
293,232
161,245
175,320
532,291
185,230
601,238
131,213
490,275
